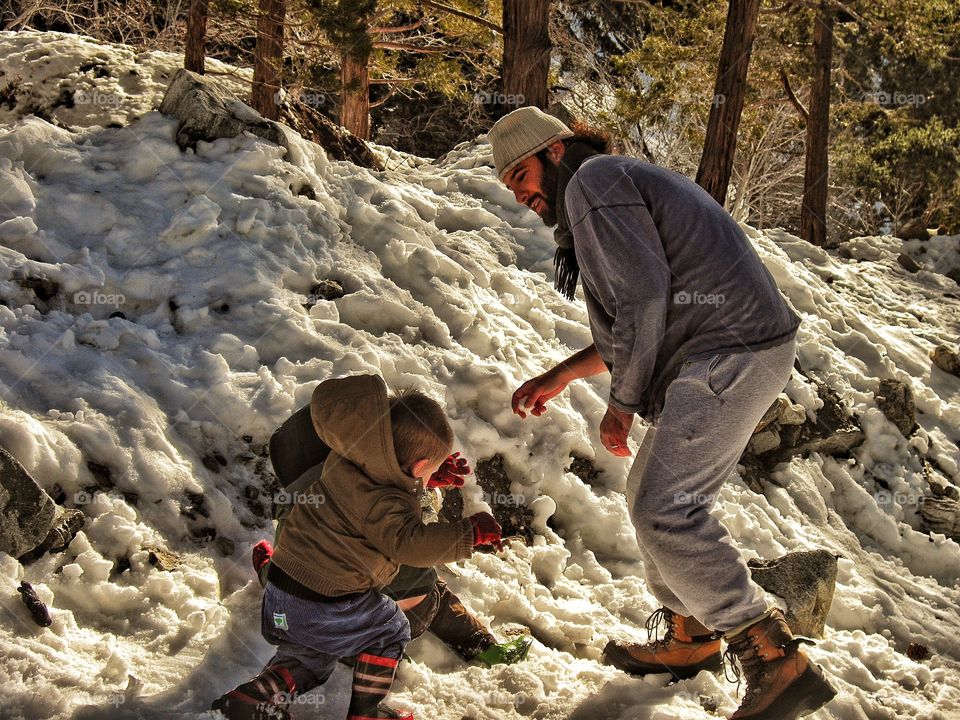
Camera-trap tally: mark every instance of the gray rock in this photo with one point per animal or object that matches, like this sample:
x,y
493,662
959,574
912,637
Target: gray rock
x,y
834,432
792,414
946,359
208,112
67,523
764,441
915,229
26,511
161,558
806,582
941,487
908,263
895,400
772,413
941,515
954,274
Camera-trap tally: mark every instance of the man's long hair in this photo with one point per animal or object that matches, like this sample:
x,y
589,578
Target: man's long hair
x,y
592,136
565,261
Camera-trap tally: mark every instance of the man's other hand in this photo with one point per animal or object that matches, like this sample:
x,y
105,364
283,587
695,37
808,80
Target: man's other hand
x,y
614,430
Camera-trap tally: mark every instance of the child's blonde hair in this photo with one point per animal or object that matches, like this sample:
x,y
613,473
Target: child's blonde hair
x,y
420,427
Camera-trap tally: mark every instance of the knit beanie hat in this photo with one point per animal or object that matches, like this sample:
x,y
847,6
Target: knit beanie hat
x,y
522,133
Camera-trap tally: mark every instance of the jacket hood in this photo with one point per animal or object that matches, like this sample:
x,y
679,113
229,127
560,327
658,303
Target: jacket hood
x,y
352,416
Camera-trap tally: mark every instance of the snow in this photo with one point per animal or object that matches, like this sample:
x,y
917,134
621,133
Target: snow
x,y
210,256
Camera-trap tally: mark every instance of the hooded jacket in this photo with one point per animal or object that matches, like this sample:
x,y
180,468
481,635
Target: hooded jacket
x,y
361,517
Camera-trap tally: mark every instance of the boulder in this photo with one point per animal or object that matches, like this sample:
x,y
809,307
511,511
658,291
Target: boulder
x,y
941,515
208,112
67,523
895,400
764,441
806,582
26,512
939,485
833,432
915,229
908,263
338,142
946,359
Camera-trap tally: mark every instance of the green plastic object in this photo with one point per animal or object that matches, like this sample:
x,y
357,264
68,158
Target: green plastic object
x,y
506,653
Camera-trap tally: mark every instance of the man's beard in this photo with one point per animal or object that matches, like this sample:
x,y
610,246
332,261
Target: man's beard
x,y
548,191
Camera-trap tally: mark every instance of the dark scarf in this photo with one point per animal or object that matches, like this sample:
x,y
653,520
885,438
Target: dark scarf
x,y
565,260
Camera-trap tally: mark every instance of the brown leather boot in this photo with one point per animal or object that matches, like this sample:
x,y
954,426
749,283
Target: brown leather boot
x,y
686,648
782,683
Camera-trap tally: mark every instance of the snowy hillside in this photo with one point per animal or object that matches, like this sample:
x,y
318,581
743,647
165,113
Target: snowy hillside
x,y
157,321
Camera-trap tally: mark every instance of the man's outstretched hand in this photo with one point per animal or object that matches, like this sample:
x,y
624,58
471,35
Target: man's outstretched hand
x,y
614,429
533,395
451,473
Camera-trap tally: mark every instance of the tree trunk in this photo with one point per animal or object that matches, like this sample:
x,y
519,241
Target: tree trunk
x,y
526,54
195,52
716,163
355,94
268,58
813,212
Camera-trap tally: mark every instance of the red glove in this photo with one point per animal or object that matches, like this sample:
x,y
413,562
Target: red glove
x,y
486,530
451,473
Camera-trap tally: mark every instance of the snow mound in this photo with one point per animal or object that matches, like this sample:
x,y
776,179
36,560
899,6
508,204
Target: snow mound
x,y
158,322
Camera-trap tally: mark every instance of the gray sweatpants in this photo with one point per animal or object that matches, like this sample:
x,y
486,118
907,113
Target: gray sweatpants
x,y
709,413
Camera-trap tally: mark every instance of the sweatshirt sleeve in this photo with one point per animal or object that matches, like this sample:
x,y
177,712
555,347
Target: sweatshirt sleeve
x,y
395,530
621,256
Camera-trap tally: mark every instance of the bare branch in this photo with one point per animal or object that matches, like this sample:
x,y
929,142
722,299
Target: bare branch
x,y
792,96
406,47
397,29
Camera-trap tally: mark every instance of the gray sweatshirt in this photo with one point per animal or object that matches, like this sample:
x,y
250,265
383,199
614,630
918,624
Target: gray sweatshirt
x,y
668,276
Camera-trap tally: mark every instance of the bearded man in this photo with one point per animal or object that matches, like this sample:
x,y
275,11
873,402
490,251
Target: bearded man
x,y
698,341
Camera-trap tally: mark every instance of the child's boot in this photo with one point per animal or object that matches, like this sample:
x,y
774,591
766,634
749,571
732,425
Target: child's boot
x,y
372,680
266,697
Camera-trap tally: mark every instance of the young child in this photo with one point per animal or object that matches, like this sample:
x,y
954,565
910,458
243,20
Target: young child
x,y
344,540
295,450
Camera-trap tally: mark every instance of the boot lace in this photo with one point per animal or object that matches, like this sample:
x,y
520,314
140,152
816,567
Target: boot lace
x,y
740,660
662,617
